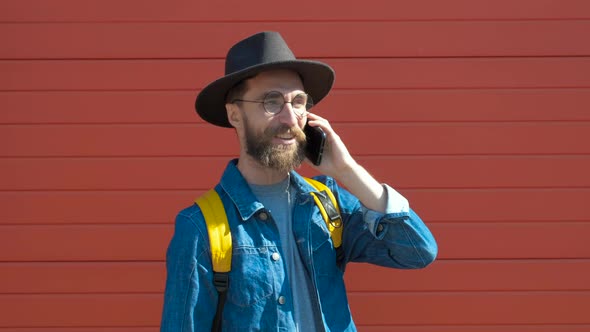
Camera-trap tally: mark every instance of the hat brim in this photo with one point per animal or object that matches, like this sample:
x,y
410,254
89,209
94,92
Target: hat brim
x,y
317,78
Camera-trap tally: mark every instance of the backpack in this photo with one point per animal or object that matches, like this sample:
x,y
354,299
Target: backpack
x,y
220,235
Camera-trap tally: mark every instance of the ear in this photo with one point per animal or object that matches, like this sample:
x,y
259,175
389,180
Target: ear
x,y
234,115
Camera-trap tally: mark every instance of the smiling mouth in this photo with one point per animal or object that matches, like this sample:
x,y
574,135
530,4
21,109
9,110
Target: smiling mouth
x,y
286,135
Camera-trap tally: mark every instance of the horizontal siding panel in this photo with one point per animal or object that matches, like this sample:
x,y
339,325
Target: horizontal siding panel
x,y
160,207
560,239
443,275
117,310
361,139
476,328
104,107
374,309
190,74
483,308
473,275
117,140
82,329
149,242
234,10
84,243
185,173
501,205
342,106
405,39
102,207
83,278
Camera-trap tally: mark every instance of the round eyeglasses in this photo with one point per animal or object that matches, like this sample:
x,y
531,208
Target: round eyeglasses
x,y
274,102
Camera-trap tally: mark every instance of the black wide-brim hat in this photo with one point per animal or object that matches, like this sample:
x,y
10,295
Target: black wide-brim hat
x,y
260,52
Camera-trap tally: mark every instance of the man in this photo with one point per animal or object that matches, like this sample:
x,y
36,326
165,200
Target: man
x,y
285,274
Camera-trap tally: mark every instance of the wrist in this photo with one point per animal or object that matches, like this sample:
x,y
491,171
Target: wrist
x,y
348,171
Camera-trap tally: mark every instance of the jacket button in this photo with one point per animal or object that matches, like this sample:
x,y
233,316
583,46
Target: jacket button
x,y
275,256
282,300
263,216
380,228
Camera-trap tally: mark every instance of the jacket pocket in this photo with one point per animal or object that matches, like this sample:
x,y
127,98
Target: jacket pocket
x,y
249,280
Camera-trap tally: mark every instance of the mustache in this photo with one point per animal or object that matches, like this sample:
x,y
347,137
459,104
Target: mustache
x,y
284,129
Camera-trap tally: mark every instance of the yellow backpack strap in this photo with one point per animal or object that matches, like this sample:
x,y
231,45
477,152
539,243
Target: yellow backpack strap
x,y
220,246
218,229
326,202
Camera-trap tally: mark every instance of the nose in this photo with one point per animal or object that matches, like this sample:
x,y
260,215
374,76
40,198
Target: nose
x,y
288,116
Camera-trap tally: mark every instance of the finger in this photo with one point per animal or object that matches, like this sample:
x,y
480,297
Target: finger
x,y
315,120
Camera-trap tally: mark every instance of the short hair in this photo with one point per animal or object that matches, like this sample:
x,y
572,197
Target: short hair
x,y
238,90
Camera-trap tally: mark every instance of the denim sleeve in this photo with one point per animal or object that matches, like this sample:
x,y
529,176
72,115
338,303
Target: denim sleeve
x,y
397,238
189,294
397,207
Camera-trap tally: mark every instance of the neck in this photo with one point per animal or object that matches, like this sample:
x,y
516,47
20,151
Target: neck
x,y
255,173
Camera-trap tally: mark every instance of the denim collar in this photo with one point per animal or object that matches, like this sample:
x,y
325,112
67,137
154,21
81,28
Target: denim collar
x,y
238,190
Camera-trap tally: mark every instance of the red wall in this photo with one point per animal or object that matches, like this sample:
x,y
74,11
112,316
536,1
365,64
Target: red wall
x,y
477,110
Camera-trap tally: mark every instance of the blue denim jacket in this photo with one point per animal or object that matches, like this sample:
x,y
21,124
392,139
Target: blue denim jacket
x,y
258,294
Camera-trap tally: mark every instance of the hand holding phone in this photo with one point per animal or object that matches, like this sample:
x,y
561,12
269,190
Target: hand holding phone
x,y
315,141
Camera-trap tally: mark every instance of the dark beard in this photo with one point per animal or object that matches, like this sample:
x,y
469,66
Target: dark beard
x,y
283,158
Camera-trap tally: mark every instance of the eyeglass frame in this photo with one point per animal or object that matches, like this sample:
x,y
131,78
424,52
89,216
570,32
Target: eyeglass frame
x,y
308,99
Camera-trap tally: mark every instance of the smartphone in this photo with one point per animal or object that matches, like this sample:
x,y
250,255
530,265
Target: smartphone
x,y
315,141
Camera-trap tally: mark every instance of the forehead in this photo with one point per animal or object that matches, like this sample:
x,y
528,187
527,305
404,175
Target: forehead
x,y
284,81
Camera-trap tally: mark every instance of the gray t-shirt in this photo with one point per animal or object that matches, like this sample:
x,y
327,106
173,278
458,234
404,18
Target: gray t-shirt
x,y
277,200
